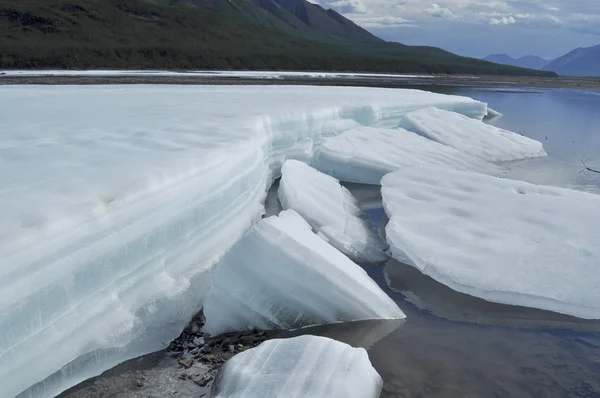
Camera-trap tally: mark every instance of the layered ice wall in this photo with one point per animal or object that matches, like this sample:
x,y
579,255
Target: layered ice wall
x,y
331,211
281,275
501,240
117,200
365,154
301,367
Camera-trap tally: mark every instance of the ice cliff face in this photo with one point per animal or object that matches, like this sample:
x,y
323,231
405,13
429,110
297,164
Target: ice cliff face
x,y
117,201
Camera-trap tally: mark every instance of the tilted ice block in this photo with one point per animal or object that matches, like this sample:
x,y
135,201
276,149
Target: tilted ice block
x,y
281,275
471,136
366,154
504,241
306,366
331,211
116,201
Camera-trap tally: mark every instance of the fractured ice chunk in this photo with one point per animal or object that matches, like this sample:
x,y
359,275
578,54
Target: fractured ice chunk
x,y
505,241
366,154
471,136
306,366
282,276
331,211
492,114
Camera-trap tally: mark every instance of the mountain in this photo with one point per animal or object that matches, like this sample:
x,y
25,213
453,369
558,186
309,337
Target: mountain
x,y
316,17
209,34
528,61
583,62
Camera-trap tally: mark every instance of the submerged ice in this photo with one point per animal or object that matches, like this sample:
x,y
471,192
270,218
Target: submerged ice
x,y
117,201
306,366
331,211
281,275
505,241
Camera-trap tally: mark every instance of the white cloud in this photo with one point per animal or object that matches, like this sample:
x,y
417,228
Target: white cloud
x,y
439,12
503,21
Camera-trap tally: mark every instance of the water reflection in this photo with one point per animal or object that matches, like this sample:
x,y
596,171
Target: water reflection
x,y
427,294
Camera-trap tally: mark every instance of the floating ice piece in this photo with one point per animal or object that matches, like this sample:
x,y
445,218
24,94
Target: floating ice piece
x,y
505,241
471,136
331,211
111,220
366,154
492,114
306,366
282,276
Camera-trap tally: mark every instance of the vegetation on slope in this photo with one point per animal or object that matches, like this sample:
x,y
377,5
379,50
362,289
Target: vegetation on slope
x,y
202,34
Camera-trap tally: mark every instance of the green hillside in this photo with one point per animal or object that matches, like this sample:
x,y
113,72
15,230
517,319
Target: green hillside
x,y
208,34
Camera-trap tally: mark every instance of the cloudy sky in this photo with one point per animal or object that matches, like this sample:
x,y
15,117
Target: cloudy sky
x,y
476,28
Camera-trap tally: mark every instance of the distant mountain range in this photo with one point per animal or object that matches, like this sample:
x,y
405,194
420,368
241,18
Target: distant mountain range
x,y
581,62
210,34
529,61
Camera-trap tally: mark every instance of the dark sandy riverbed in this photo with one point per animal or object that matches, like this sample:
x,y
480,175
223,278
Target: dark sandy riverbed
x,y
517,82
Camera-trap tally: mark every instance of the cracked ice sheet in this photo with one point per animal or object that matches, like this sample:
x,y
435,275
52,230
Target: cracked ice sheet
x,y
116,201
472,137
501,240
281,275
331,211
306,366
365,154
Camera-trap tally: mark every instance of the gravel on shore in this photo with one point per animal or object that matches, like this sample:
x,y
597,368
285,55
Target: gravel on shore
x,y
186,369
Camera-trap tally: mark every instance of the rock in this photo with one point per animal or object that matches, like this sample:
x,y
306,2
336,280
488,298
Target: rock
x,y
186,362
206,378
140,383
198,341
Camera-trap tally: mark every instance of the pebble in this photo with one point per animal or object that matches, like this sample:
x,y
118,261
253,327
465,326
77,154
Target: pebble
x,y
194,346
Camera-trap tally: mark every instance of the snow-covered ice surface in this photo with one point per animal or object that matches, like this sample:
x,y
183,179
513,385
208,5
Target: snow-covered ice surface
x,y
472,137
281,275
505,241
331,211
306,366
116,201
365,154
207,74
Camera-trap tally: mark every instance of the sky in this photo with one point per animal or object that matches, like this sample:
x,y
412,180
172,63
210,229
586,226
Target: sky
x,y
477,28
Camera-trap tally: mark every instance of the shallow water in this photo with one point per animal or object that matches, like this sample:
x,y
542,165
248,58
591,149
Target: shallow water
x,y
567,122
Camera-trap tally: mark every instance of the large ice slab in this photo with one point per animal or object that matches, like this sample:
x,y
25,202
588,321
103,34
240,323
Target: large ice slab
x,y
331,211
306,366
282,276
501,240
116,202
471,136
366,154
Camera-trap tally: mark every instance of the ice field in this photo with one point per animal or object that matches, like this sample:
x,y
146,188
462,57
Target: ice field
x,y
117,202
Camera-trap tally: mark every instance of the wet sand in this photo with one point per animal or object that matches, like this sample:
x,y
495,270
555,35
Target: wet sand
x,y
506,82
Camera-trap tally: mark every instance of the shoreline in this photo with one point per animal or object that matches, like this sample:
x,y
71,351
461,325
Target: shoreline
x,y
516,82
